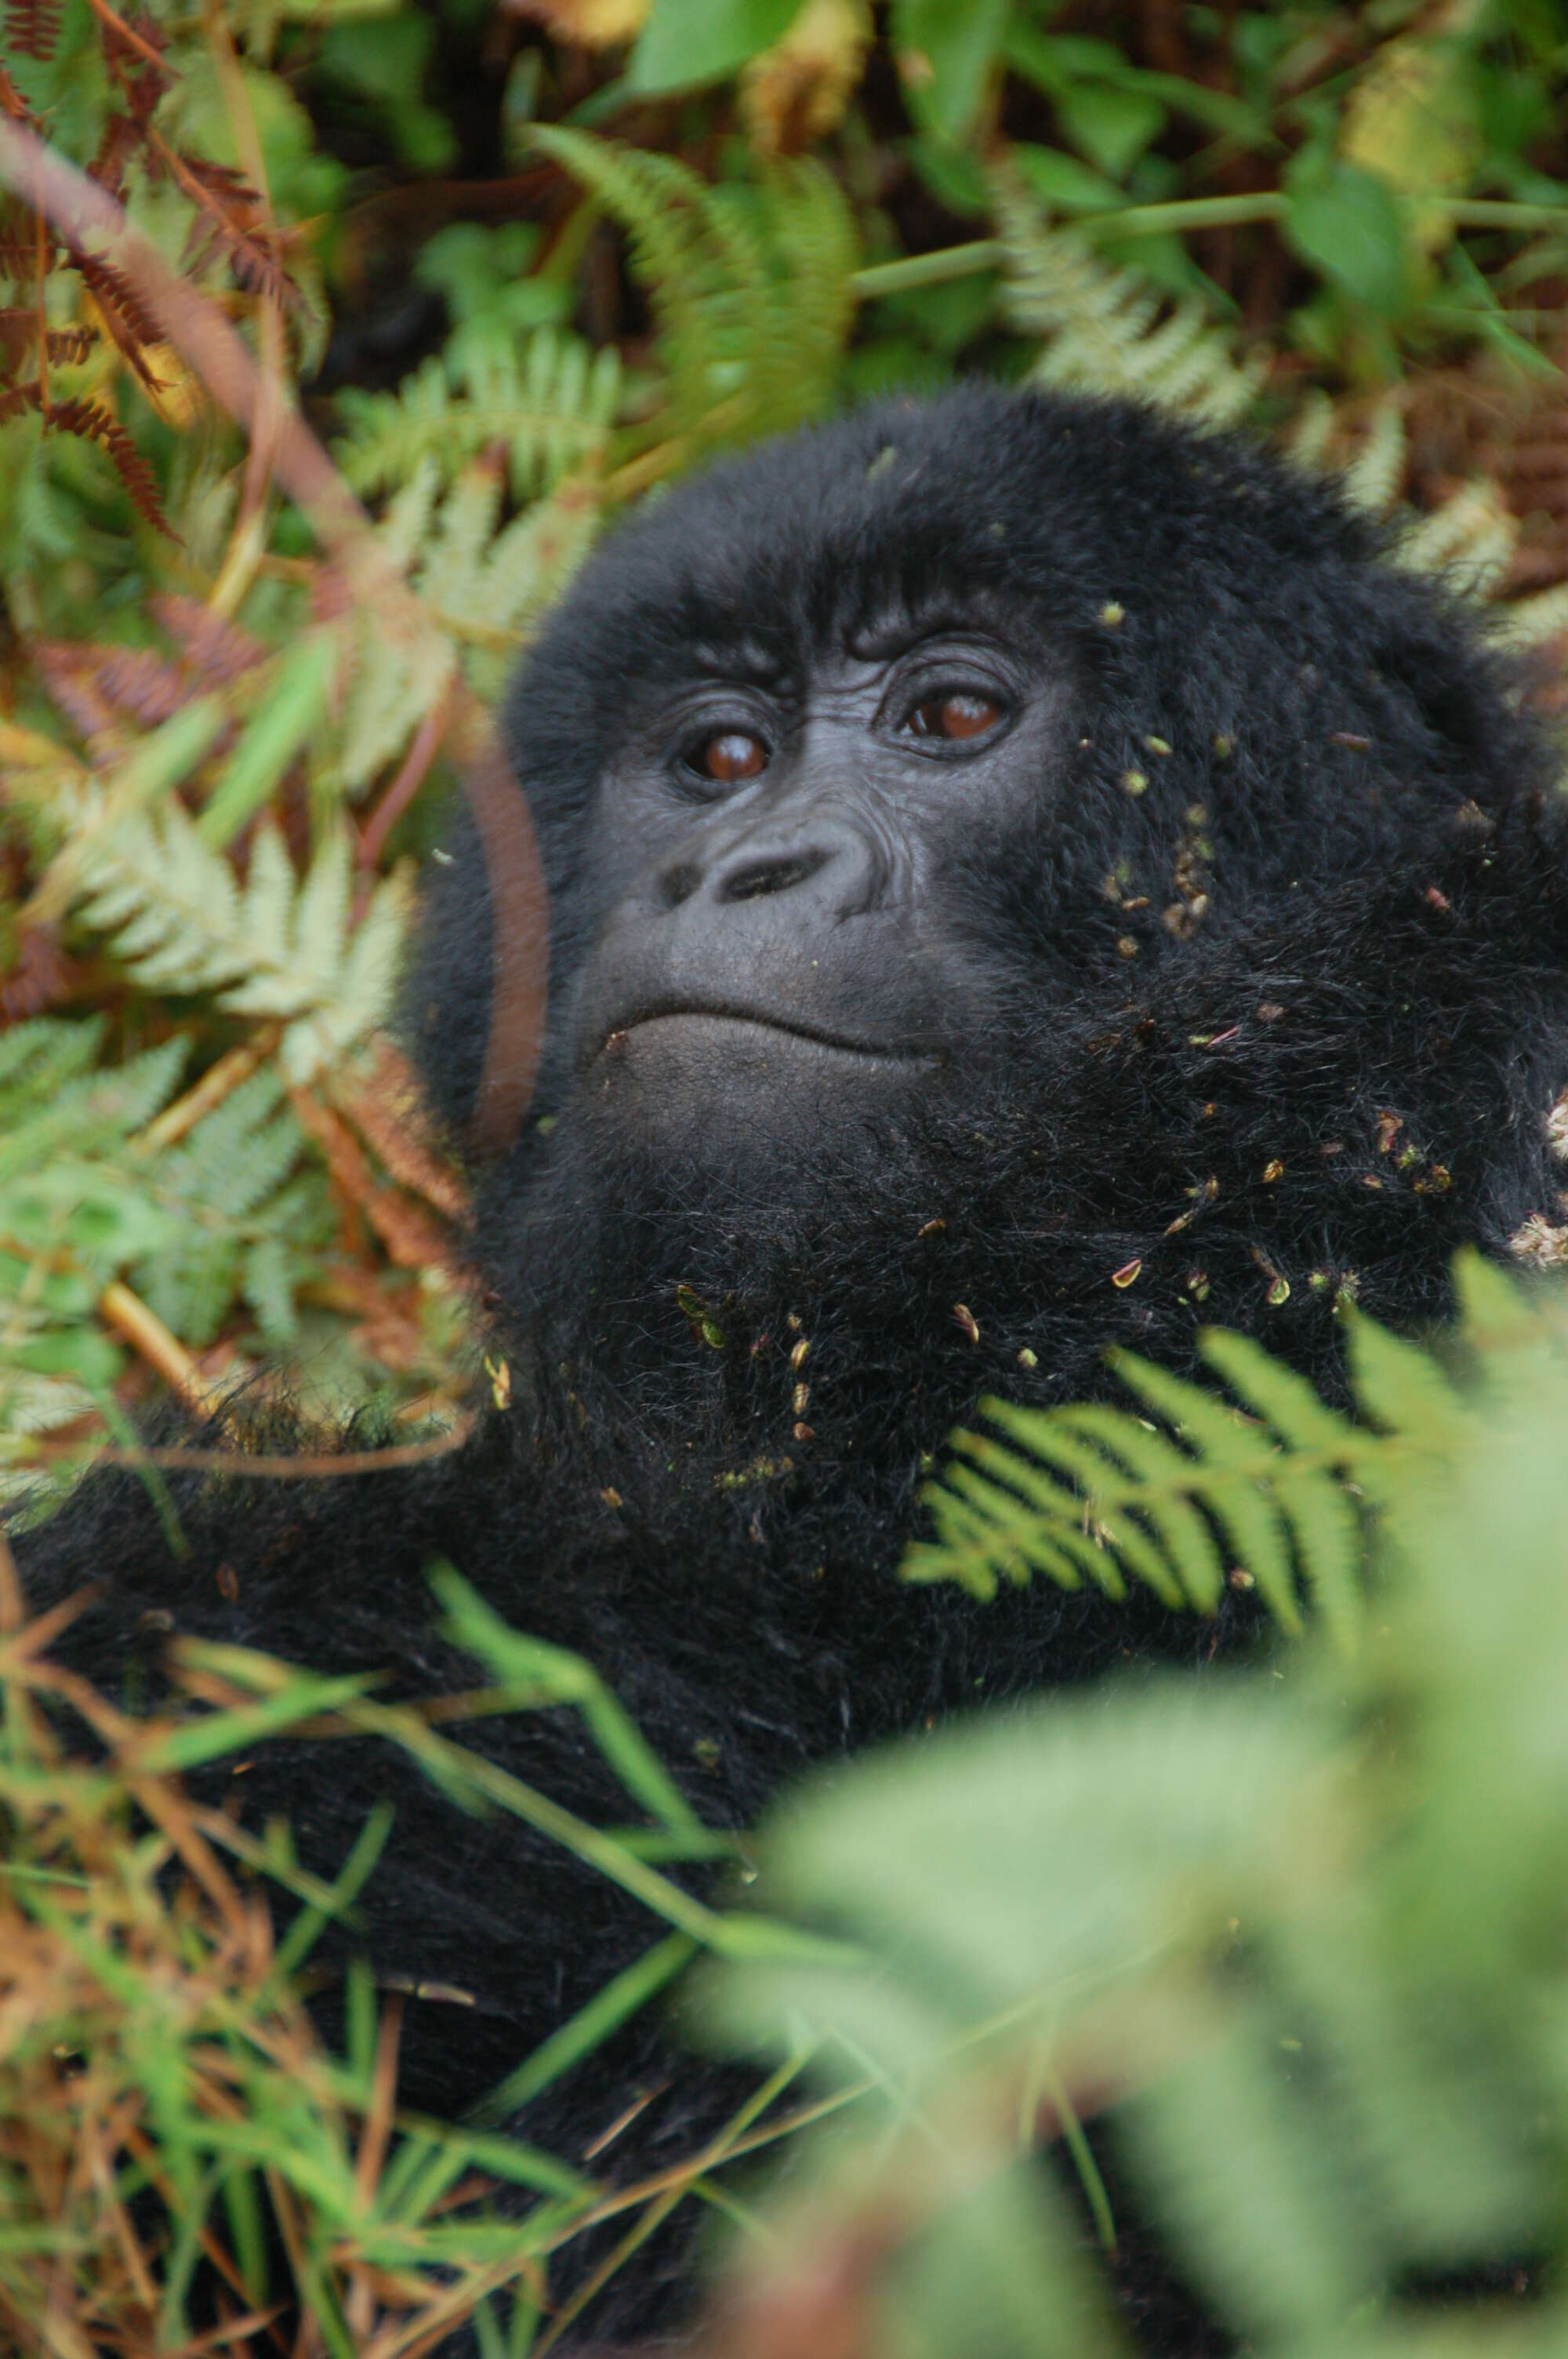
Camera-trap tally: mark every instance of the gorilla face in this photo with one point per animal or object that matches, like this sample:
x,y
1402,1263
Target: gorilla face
x,y
790,950
919,797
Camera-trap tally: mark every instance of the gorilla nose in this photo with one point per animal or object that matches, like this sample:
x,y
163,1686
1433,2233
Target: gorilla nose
x,y
748,879
763,862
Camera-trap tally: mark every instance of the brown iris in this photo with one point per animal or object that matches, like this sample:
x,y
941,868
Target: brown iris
x,y
733,754
955,716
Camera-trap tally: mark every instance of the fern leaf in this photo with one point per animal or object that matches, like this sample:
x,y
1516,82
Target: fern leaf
x,y
548,400
1107,328
527,565
751,284
1493,1309
235,1159
403,530
94,1109
322,917
1249,1515
1278,1487
269,899
222,1192
1399,1383
1278,1395
356,995
1105,1486
39,1057
466,525
1531,622
398,684
976,1508
267,1282
675,247
813,234
1163,1475
1470,540
1307,438
1322,1449
1373,478
169,907
176,920
1330,1543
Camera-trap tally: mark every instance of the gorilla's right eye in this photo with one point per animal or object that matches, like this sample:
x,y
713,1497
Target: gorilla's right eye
x,y
728,757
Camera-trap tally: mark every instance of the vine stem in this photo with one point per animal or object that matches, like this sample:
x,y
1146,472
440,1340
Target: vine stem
x,y
1182,214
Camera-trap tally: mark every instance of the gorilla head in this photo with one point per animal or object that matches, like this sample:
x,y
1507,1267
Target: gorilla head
x,y
1007,812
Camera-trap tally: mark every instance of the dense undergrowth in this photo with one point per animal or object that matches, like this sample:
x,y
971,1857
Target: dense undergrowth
x,y
517,267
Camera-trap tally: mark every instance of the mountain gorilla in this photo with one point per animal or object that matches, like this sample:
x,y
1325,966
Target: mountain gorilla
x,y
1022,875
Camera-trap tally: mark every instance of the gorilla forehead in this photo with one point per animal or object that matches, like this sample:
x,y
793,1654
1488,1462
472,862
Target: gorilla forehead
x,y
1047,499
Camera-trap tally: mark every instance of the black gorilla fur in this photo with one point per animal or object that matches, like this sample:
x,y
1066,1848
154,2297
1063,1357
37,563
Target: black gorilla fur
x,y
1305,1036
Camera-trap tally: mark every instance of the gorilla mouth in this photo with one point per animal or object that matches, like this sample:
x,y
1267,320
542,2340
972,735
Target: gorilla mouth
x,y
792,1027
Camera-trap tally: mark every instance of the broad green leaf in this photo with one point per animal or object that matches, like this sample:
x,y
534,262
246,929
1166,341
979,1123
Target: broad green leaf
x,y
1062,183
946,51
1350,225
1110,126
685,42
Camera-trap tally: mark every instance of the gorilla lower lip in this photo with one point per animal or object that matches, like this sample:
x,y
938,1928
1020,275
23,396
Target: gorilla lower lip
x,y
749,1019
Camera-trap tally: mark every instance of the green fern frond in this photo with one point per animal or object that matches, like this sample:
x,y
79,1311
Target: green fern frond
x,y
547,399
1108,329
87,1114
1270,1486
1469,539
398,681
37,1058
236,1157
1306,437
495,605
1531,622
480,588
751,283
67,1225
86,1196
223,1188
812,237
1372,479
175,916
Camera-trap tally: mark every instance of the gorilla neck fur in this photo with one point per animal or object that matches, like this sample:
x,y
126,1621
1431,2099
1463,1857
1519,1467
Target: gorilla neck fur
x,y
728,1314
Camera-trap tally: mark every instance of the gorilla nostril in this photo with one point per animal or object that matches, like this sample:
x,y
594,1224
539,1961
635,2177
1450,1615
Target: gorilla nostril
x,y
779,873
678,884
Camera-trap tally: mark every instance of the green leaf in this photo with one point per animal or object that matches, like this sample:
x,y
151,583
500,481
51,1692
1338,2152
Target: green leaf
x,y
82,1352
1111,127
947,50
93,1214
685,42
1350,225
287,717
1060,181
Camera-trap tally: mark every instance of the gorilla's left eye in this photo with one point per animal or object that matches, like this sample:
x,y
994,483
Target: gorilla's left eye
x,y
955,716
